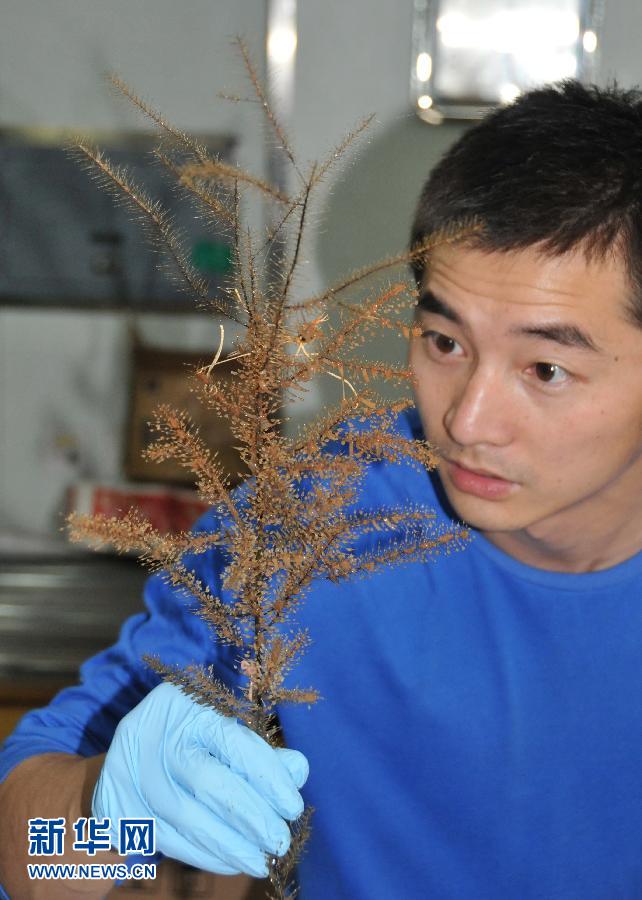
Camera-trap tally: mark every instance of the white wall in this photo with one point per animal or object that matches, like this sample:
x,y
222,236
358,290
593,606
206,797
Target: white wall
x,y
620,54
62,374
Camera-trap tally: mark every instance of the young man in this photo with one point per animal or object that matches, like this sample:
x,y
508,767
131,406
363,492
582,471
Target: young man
x,y
480,731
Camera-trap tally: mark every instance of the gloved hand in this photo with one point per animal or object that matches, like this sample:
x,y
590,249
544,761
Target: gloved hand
x,y
219,794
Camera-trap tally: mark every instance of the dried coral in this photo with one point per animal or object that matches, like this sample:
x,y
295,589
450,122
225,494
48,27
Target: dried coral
x,y
297,517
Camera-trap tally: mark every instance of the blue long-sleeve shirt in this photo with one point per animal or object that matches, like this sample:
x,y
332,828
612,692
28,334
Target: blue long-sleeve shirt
x,y
480,731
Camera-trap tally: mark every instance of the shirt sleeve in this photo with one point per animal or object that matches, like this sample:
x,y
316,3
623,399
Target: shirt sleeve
x,y
82,719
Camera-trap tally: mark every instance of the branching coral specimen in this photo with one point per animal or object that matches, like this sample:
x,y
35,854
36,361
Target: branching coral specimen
x,y
297,517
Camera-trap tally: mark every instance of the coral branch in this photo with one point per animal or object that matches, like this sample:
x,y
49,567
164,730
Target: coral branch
x,y
216,170
267,109
302,516
156,220
186,140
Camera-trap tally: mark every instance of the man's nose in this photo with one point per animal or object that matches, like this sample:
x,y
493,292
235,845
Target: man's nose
x,y
481,412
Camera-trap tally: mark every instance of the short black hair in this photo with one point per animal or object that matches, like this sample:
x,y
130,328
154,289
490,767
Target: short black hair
x,y
560,167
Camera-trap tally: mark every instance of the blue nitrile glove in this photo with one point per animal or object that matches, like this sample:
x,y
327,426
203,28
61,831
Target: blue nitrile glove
x,y
218,793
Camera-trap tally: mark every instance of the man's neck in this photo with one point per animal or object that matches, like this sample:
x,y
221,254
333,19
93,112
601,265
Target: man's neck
x,y
566,546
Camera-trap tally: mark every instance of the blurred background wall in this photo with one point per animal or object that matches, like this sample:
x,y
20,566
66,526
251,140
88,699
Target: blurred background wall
x,y
63,390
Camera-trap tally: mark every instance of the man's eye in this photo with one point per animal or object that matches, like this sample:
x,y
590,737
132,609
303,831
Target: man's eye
x,y
445,345
550,373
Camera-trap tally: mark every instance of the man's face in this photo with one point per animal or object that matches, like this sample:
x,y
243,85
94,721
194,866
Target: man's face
x,y
529,370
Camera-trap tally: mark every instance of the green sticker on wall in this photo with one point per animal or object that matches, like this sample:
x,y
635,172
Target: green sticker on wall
x,y
210,256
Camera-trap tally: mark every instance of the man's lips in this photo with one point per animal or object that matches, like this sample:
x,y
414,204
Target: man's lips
x,y
479,482
486,472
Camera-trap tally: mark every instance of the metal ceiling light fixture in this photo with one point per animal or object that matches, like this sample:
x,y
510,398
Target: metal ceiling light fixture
x,y
470,56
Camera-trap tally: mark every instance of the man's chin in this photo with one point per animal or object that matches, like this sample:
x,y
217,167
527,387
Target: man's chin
x,y
484,515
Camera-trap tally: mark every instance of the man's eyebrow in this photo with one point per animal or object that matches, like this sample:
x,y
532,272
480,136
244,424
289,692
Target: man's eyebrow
x,y
561,333
567,335
428,302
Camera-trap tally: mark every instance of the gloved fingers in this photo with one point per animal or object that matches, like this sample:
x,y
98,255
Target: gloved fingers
x,y
176,845
249,756
232,800
296,764
185,829
201,826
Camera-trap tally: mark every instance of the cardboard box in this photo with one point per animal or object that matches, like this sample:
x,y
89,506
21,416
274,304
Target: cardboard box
x,y
162,376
